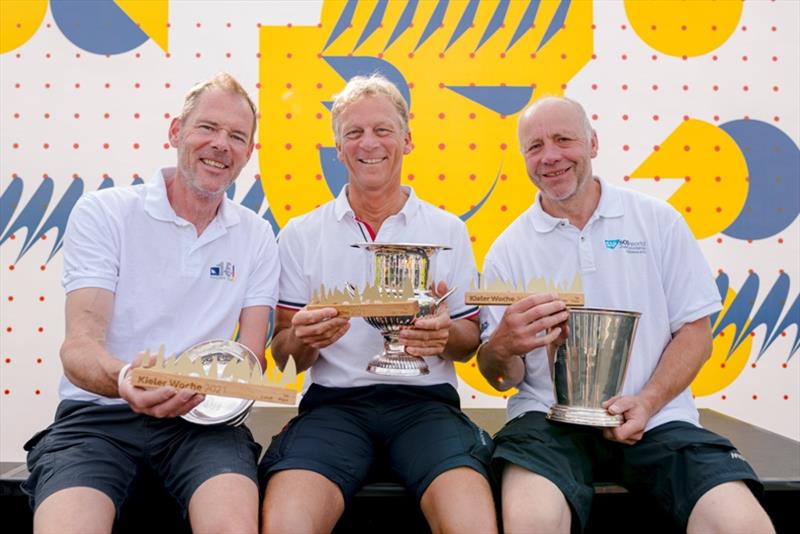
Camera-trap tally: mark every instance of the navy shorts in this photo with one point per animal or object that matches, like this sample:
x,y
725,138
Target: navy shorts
x,y
674,463
107,447
411,433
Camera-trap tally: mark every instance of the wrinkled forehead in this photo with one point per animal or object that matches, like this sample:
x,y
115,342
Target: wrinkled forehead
x,y
551,119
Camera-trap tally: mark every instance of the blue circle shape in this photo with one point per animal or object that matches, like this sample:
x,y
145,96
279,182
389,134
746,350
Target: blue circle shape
x,y
97,26
773,163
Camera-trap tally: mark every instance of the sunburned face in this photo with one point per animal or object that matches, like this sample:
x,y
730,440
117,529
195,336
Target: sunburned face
x,y
372,143
214,142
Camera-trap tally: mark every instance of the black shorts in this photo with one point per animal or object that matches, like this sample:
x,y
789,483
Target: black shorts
x,y
105,447
412,433
674,463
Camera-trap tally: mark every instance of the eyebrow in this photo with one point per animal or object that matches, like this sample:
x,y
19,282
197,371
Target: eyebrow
x,y
215,124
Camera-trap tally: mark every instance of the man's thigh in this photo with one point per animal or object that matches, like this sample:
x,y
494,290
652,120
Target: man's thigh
x,y
425,438
563,454
186,455
331,440
87,446
677,463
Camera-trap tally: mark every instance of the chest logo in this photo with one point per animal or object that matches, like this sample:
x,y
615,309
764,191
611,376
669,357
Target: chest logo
x,y
224,270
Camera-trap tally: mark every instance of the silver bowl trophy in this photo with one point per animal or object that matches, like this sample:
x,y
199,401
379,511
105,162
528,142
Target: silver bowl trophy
x,y
217,409
396,267
590,367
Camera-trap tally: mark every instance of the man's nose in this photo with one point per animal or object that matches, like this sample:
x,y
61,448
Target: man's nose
x,y
220,140
550,154
369,141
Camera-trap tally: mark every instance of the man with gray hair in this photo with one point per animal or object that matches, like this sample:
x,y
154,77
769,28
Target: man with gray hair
x,y
172,262
574,228
350,420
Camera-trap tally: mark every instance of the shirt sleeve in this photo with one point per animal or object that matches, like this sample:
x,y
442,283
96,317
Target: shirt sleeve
x,y
461,274
688,283
491,315
91,247
294,290
262,286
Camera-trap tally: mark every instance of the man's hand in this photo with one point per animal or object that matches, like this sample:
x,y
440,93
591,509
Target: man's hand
x,y
635,411
533,322
160,402
319,328
429,335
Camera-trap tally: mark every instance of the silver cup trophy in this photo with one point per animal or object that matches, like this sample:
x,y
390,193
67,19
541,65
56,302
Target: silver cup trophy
x,y
216,409
395,267
590,367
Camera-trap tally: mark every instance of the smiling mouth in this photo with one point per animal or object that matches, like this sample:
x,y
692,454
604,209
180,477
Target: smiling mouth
x,y
371,161
555,174
213,163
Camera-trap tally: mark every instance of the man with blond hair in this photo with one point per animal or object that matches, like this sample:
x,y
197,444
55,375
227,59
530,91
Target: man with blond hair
x,y
142,268
350,420
633,253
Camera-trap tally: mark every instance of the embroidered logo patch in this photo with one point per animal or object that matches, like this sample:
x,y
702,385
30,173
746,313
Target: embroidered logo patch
x,y
224,270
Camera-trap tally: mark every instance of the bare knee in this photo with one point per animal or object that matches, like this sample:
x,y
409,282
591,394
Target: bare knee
x,y
729,507
459,500
226,503
81,510
297,500
531,503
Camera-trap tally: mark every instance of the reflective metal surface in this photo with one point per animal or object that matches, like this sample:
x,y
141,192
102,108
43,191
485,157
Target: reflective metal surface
x,y
590,367
397,268
216,409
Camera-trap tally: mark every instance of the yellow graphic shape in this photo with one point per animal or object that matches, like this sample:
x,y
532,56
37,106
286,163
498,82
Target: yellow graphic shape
x,y
719,372
272,369
681,27
714,172
469,373
151,17
19,20
460,147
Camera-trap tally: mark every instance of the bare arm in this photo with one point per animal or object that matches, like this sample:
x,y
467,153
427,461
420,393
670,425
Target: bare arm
x,y
500,358
682,359
253,324
302,333
87,363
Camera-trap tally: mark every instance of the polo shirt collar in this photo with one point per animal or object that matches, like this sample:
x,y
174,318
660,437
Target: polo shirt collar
x,y
341,206
156,202
610,205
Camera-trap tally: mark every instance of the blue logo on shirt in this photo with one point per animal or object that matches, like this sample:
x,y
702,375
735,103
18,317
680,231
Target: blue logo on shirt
x,y
631,247
224,270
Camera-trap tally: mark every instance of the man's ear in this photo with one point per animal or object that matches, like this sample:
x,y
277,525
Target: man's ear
x,y
408,145
594,144
174,131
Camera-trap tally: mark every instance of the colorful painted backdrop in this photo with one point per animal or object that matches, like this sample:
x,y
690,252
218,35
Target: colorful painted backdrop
x,y
693,102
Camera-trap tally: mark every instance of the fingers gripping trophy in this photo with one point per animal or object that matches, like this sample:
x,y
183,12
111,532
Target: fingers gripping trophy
x,y
400,271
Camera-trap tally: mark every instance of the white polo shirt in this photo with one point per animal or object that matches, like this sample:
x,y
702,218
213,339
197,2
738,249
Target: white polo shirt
x,y
170,286
315,249
635,253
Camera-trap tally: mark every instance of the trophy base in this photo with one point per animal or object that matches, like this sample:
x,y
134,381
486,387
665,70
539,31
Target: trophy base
x,y
578,415
401,365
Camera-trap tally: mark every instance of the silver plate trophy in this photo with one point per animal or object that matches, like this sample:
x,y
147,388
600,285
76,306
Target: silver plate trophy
x,y
590,367
216,409
396,267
